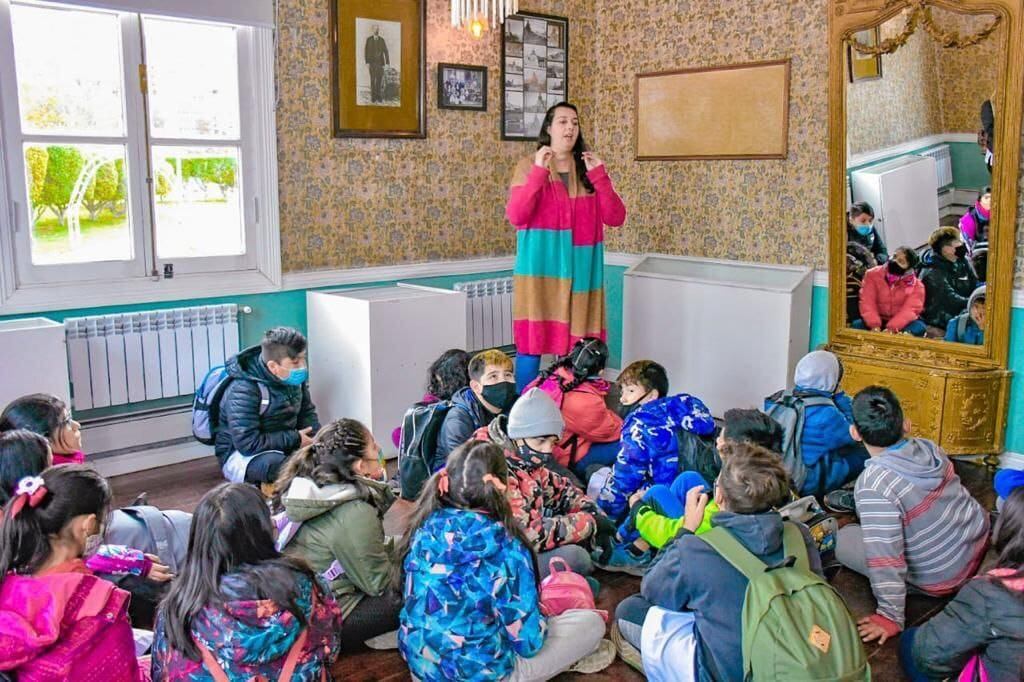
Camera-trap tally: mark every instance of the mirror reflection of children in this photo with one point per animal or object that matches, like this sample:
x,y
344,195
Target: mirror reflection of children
x,y
974,224
892,297
969,326
860,228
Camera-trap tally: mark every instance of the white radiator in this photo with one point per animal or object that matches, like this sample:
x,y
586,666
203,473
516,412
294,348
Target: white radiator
x,y
132,357
488,312
943,165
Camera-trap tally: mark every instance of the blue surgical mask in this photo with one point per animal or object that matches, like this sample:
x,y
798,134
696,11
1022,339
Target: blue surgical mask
x,y
864,230
296,377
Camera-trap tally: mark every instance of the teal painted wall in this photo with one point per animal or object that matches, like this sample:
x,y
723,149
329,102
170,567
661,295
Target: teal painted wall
x,y
613,280
968,164
819,317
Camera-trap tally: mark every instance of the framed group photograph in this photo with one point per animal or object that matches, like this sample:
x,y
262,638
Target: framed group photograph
x,y
534,71
378,68
462,87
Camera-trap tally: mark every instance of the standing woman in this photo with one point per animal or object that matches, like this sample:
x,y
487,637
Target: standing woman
x,y
560,200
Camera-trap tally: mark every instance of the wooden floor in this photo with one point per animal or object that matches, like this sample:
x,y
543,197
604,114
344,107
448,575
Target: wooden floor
x,y
181,486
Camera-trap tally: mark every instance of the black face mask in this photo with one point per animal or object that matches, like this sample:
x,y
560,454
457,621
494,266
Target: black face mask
x,y
625,410
961,251
501,395
527,453
895,269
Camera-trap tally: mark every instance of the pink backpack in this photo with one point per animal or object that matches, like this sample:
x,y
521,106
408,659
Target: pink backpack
x,y
974,671
564,590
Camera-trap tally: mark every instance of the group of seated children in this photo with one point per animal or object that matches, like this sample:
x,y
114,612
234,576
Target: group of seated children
x,y
936,295
277,588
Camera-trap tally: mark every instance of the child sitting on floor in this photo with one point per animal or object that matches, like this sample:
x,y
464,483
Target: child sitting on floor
x,y
266,413
239,610
58,621
469,578
984,624
334,499
920,528
554,514
692,576
491,391
591,437
651,435
969,326
830,456
48,416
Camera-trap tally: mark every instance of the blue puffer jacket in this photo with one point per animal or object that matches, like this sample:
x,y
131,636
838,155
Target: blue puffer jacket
x,y
649,452
826,439
466,415
471,600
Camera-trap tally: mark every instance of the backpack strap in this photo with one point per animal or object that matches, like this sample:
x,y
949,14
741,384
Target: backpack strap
x,y
793,545
961,325
290,663
264,397
730,549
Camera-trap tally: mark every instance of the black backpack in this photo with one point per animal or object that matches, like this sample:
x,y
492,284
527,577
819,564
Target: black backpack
x,y
418,445
698,453
788,409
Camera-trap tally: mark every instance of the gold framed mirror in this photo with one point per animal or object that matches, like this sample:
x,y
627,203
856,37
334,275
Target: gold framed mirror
x,y
924,156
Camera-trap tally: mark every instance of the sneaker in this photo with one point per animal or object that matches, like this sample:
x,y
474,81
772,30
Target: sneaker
x,y
142,500
841,501
624,561
389,640
629,654
599,659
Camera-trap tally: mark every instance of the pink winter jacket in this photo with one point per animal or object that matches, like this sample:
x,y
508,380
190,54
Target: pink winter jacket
x,y
66,624
890,305
587,418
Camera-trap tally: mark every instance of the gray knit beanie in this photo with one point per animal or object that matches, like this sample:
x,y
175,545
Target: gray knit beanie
x,y
535,415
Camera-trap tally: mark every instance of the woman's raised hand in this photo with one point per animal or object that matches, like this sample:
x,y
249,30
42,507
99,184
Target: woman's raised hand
x,y
591,160
542,156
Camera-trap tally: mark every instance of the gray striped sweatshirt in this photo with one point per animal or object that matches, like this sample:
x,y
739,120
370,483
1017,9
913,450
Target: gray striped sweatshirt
x,y
920,525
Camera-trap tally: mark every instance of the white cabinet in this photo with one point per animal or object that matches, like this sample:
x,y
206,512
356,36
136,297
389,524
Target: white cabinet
x,y
35,359
727,332
904,196
369,350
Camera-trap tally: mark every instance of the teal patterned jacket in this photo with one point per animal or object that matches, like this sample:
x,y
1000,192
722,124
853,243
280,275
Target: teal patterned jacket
x,y
471,600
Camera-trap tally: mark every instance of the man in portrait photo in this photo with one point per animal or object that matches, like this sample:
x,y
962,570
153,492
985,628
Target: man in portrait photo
x,y
376,56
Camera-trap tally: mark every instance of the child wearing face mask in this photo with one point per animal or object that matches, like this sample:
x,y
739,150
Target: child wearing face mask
x,y
260,427
974,224
948,276
860,228
892,297
491,391
591,437
57,619
334,498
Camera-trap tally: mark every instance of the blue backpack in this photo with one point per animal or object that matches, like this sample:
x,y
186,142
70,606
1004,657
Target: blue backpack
x,y
206,404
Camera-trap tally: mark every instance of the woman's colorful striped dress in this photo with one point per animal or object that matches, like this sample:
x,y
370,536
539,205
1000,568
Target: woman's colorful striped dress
x,y
559,270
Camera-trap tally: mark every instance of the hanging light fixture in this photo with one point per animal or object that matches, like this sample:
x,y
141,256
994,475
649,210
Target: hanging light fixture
x,y
477,15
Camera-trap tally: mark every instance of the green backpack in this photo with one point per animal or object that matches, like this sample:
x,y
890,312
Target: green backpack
x,y
795,625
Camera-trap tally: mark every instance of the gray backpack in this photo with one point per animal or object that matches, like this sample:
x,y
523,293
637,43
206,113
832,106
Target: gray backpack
x,y
788,409
152,530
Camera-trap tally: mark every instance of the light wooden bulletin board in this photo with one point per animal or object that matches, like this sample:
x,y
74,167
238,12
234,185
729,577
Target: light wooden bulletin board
x,y
739,111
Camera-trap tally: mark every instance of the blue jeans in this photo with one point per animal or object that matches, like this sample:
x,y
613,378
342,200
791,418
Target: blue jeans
x,y
667,500
527,369
916,328
603,454
907,659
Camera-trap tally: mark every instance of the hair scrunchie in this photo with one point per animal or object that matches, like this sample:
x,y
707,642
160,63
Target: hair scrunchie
x,y
32,491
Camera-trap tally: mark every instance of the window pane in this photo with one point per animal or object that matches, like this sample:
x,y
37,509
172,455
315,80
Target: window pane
x,y
198,202
69,71
78,202
193,79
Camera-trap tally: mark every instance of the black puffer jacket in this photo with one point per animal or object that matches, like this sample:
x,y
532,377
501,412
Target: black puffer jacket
x,y
242,428
465,416
947,286
986,618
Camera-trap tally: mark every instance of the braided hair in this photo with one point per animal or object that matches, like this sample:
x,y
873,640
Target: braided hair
x,y
330,459
587,358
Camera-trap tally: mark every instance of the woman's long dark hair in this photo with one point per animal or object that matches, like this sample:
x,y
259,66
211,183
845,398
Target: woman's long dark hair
x,y
448,374
1008,535
72,490
231,533
586,358
544,140
329,459
22,453
466,468
39,412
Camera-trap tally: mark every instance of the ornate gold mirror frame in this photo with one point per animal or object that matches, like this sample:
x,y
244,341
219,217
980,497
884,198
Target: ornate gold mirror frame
x,y
953,393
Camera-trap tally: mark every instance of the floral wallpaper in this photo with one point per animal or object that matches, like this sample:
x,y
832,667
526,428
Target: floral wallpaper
x,y
904,104
350,203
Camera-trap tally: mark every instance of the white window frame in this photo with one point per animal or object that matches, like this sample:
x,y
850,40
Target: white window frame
x,y
259,270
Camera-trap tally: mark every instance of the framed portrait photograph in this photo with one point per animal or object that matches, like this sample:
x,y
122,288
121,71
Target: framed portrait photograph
x,y
534,71
864,67
378,68
462,87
